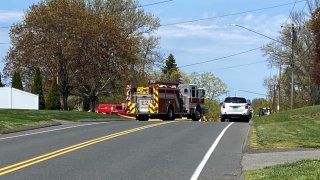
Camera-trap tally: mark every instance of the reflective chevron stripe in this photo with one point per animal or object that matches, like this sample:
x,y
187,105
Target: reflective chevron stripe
x,y
155,98
151,108
131,107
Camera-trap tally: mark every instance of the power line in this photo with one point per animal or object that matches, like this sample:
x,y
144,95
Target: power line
x,y
145,5
156,3
253,92
232,14
305,5
260,34
4,43
216,59
294,5
236,66
5,27
248,64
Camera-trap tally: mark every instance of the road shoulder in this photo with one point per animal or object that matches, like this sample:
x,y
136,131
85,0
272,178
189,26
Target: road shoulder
x,y
259,159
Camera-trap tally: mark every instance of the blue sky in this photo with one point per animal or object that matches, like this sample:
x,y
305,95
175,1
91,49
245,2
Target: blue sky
x,y
203,40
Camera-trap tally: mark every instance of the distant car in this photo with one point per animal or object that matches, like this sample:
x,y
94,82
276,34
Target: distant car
x,y
236,108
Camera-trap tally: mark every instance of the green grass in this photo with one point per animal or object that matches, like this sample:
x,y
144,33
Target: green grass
x,y
302,170
297,128
19,118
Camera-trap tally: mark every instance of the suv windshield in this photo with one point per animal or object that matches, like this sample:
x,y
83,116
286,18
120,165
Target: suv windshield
x,y
235,100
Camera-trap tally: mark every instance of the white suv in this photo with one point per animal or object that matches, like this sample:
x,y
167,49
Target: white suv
x,y
236,108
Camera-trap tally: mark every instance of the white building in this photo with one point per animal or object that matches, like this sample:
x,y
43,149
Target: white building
x,y
11,98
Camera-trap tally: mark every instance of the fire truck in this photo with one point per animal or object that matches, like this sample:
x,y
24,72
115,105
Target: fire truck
x,y
165,100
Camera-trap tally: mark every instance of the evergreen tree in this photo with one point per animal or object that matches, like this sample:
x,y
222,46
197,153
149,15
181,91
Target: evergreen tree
x,y
170,70
170,65
37,88
53,99
16,81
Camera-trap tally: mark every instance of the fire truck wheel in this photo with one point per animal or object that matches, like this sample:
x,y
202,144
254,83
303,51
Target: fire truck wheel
x,y
170,114
197,115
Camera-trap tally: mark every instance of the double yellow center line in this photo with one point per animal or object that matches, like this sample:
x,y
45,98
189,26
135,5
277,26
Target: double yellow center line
x,y
26,163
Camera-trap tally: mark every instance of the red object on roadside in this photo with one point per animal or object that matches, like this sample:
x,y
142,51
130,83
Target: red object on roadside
x,y
104,108
112,109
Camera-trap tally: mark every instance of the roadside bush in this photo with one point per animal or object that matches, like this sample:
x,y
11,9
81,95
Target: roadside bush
x,y
213,110
75,103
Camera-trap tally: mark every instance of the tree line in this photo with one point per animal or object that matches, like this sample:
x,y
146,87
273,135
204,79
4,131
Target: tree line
x,y
302,42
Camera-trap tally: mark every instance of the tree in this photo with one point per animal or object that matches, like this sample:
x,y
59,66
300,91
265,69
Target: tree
x,y
47,38
170,65
16,81
213,109
170,71
84,43
37,88
270,84
53,99
315,28
315,63
306,90
213,85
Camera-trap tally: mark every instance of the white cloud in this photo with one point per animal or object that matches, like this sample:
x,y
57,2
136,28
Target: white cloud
x,y
248,17
208,33
10,16
264,24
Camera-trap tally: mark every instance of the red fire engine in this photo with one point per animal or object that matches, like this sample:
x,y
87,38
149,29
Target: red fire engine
x,y
166,101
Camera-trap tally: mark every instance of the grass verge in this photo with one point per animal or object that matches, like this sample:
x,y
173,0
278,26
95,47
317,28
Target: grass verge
x,y
10,119
297,128
307,169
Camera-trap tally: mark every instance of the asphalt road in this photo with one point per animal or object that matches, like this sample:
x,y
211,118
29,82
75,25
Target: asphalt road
x,y
126,150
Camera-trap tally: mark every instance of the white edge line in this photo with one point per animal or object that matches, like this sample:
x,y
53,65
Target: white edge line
x,y
208,154
53,130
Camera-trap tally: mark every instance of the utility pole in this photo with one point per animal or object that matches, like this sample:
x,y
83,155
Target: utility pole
x,y
279,81
291,59
292,63
274,98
